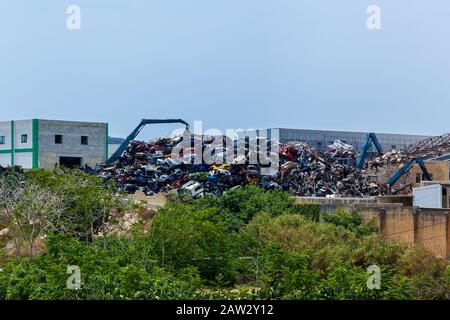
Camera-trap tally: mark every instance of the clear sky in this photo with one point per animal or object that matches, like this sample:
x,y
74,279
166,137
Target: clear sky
x,y
230,63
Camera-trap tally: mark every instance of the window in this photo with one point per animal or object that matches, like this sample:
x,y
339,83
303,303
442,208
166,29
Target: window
x,y
421,177
24,138
2,140
393,147
418,177
84,140
58,139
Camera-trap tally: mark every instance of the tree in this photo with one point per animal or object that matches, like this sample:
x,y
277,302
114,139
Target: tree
x,y
27,210
87,199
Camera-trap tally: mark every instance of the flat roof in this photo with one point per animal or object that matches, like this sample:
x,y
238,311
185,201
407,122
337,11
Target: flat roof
x,y
55,120
353,132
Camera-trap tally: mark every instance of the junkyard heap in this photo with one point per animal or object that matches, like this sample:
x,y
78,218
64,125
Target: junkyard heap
x,y
303,171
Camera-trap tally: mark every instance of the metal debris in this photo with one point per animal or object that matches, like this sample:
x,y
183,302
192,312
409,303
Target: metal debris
x,y
303,171
393,158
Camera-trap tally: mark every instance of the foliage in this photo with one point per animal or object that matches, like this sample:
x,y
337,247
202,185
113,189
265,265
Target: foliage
x,y
349,220
237,207
332,262
88,201
183,237
106,273
247,244
27,210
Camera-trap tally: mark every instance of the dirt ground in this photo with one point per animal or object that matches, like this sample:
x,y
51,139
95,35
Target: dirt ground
x,y
153,202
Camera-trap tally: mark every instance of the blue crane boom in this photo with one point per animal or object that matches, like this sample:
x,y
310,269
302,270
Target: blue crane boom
x,y
116,155
371,138
406,167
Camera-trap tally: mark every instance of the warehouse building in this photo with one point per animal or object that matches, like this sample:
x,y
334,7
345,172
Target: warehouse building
x,y
45,143
320,139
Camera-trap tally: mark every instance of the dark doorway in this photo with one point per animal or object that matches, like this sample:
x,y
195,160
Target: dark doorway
x,y
70,162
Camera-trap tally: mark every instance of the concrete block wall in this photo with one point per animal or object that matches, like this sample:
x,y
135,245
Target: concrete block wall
x,y
93,153
330,204
403,224
431,230
396,224
411,225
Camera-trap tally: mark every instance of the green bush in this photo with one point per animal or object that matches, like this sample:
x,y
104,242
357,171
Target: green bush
x,y
247,244
237,207
87,200
349,220
302,259
180,236
106,273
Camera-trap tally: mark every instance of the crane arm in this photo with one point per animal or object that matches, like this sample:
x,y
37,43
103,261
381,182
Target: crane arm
x,y
406,167
136,131
371,138
376,142
422,166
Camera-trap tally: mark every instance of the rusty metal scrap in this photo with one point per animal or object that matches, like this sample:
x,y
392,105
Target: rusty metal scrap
x,y
303,171
434,146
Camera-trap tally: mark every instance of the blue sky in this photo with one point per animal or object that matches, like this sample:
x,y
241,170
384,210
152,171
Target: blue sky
x,y
230,63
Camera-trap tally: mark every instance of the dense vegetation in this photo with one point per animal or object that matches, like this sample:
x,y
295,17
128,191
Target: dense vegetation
x,y
246,244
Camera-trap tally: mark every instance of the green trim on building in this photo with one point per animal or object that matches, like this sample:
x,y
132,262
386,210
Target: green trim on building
x,y
23,150
35,143
34,149
9,151
13,138
107,142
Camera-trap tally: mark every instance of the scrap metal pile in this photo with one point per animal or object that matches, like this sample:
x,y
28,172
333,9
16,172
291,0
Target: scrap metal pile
x,y
393,158
303,171
342,150
326,174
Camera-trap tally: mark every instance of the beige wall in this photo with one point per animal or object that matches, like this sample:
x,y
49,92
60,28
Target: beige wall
x,y
429,227
410,225
439,170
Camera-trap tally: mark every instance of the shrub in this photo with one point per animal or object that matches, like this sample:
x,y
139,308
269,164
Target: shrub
x,y
106,273
181,237
237,207
87,200
349,220
249,244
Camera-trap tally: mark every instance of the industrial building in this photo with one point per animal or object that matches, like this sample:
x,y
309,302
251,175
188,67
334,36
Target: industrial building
x,y
41,143
320,139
